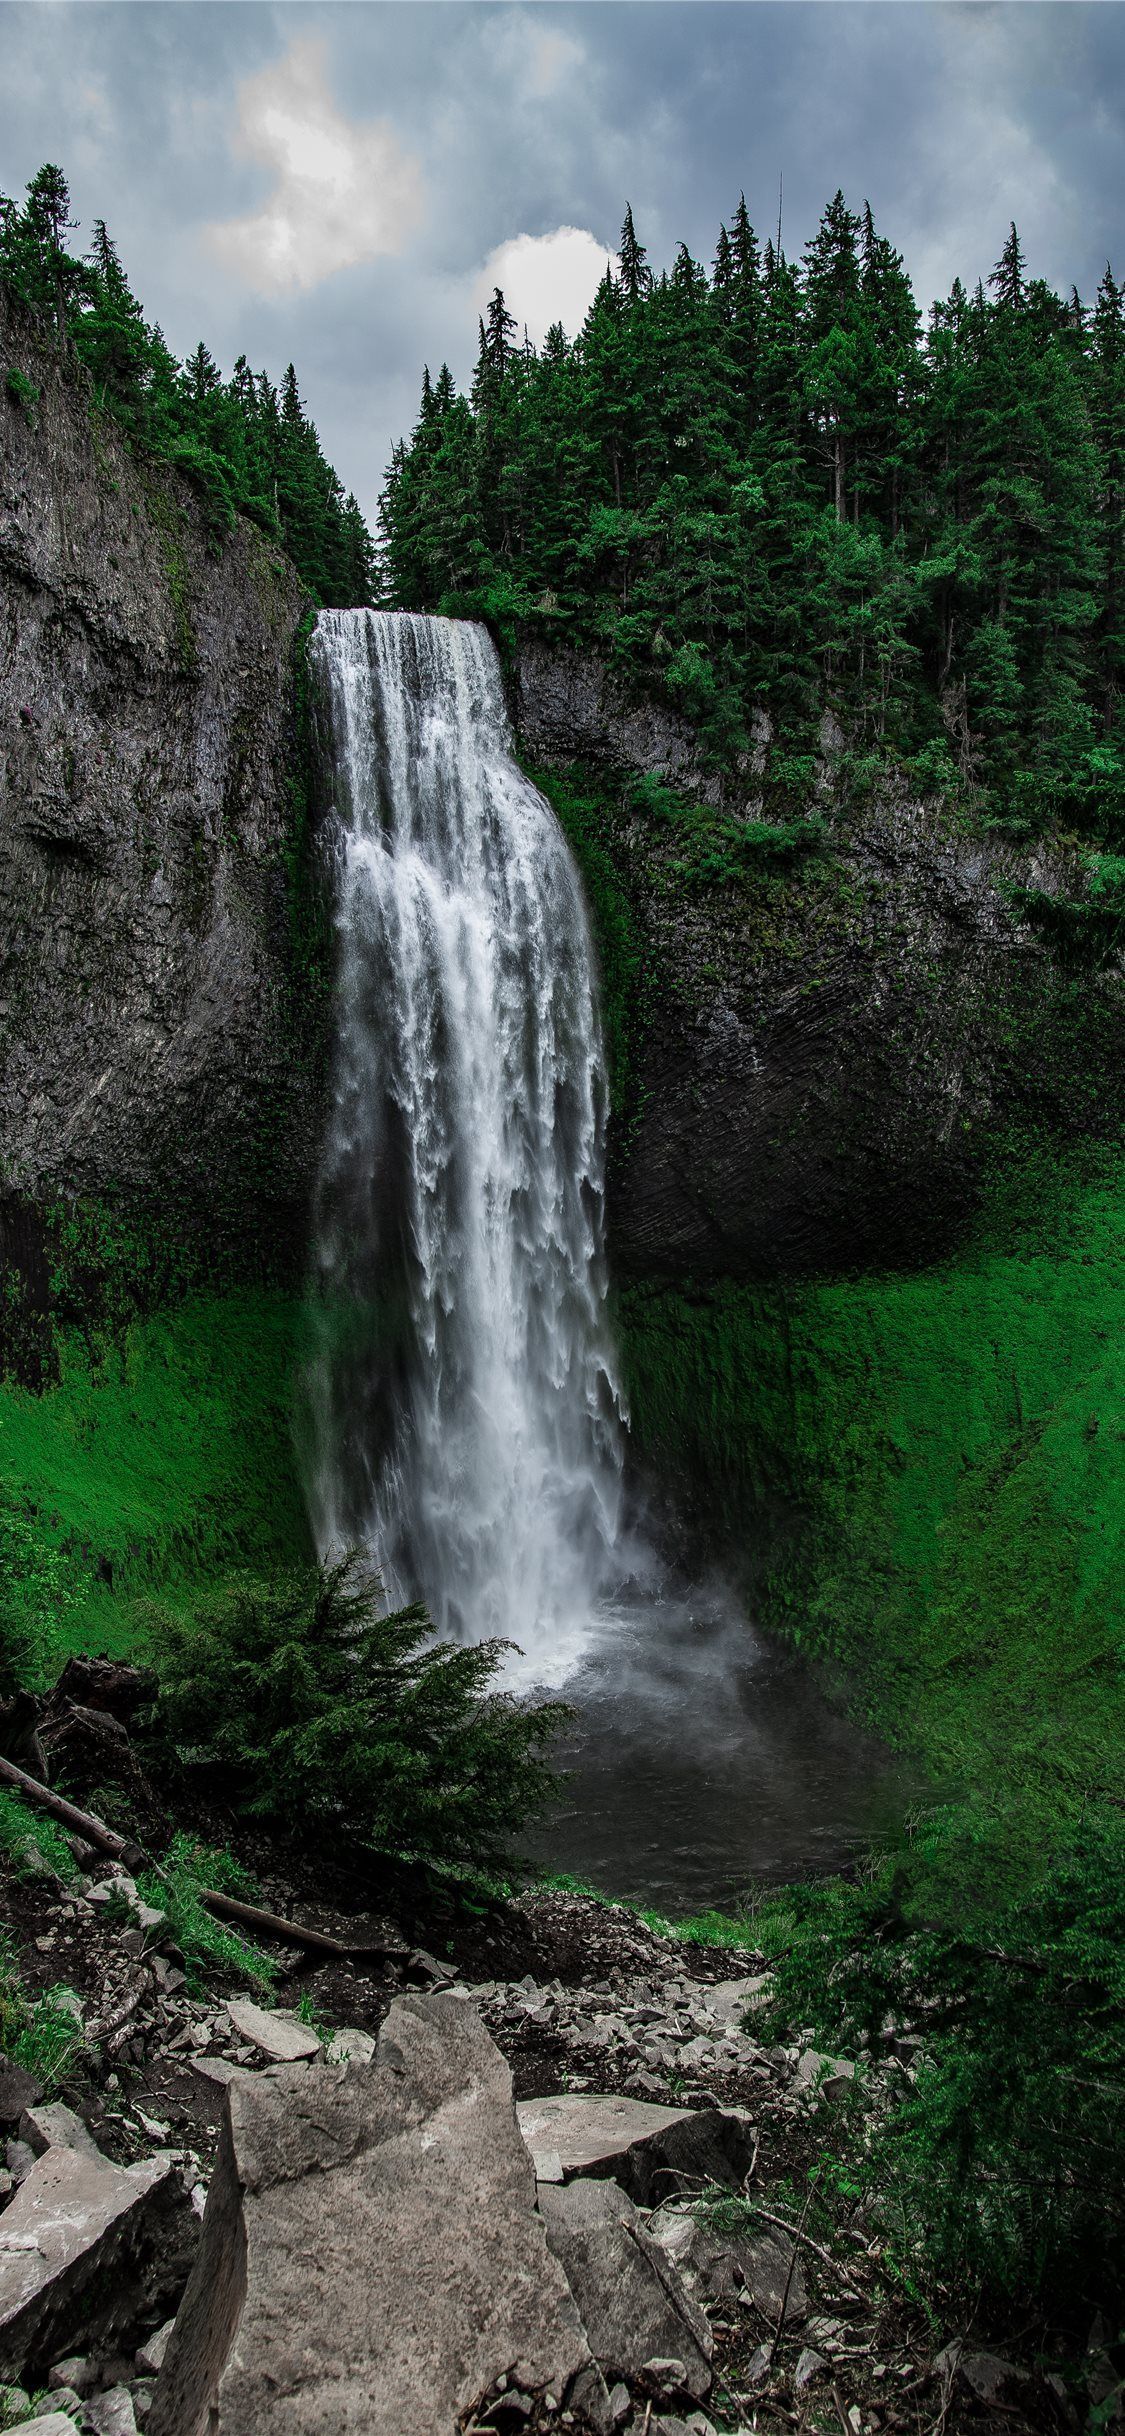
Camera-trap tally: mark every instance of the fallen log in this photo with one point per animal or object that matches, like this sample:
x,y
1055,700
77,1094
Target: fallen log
x,y
270,1924
224,1907
69,1815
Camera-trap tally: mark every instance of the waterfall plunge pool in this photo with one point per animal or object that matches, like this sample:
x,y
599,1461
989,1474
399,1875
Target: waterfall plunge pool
x,y
704,1758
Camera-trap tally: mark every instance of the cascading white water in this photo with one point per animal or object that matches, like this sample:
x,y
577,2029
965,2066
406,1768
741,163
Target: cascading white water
x,y
466,1416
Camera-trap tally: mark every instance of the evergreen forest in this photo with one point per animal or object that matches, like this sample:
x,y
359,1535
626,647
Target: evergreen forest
x,y
772,486
247,446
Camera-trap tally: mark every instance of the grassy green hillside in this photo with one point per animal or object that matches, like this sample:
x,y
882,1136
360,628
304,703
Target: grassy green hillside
x,y
923,1477
163,1455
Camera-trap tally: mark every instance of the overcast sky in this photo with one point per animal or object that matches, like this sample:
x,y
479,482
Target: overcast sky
x,y
344,184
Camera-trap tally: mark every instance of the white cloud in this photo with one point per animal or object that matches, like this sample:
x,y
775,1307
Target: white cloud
x,y
544,279
344,191
552,58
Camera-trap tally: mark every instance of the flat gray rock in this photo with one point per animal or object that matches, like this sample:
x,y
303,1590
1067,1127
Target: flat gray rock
x,y
279,2035
57,2126
64,2242
650,2150
630,2299
372,2260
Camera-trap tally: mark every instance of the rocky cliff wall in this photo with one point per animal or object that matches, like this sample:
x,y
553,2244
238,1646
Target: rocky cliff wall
x,y
156,1048
831,1051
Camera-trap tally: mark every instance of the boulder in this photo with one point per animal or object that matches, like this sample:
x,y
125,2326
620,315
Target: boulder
x,y
650,2150
57,2126
722,2268
371,2256
80,2245
18,2090
630,2299
350,2047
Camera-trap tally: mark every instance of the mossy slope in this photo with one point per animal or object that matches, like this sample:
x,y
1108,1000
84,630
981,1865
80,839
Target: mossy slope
x,y
165,1456
923,1477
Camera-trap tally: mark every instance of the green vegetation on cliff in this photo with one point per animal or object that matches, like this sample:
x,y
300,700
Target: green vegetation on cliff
x,y
249,448
923,1479
768,488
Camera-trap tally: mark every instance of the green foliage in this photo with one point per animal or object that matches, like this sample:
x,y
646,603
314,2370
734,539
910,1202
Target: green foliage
x,y
26,1832
770,487
329,1713
36,1595
162,1452
246,447
923,1477
44,2033
21,391
207,1945
587,814
999,2170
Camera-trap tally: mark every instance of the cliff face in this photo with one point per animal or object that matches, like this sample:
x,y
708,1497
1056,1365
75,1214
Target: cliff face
x,y
829,1049
152,1048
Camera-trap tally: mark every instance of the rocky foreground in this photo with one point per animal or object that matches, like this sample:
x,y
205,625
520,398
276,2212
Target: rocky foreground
x,y
556,2179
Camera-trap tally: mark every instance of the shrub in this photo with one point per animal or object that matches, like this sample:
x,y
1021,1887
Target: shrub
x,y
1003,2160
328,1712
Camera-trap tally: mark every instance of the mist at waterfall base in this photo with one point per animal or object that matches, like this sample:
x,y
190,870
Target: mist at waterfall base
x,y
465,1421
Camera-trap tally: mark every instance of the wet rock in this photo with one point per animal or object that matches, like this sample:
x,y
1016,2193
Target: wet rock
x,y
809,2365
150,2358
648,2149
74,2375
350,2047
630,2299
822,2076
370,2234
112,2413
991,2379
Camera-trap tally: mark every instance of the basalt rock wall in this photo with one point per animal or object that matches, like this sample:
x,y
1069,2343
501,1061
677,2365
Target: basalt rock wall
x,y
157,1046
832,1051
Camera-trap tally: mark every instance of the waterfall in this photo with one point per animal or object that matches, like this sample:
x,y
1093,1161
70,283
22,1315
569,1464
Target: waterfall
x,y
465,1411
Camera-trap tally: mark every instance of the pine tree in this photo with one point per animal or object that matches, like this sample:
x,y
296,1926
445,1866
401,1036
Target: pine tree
x,y
633,271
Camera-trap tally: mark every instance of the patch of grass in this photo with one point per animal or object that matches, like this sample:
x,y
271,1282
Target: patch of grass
x,y
42,2034
207,1945
923,1478
25,1831
162,1455
704,1928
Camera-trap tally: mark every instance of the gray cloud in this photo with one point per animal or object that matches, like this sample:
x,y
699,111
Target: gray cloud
x,y
436,132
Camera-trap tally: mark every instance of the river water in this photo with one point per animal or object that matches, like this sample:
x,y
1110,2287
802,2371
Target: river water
x,y
467,1422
